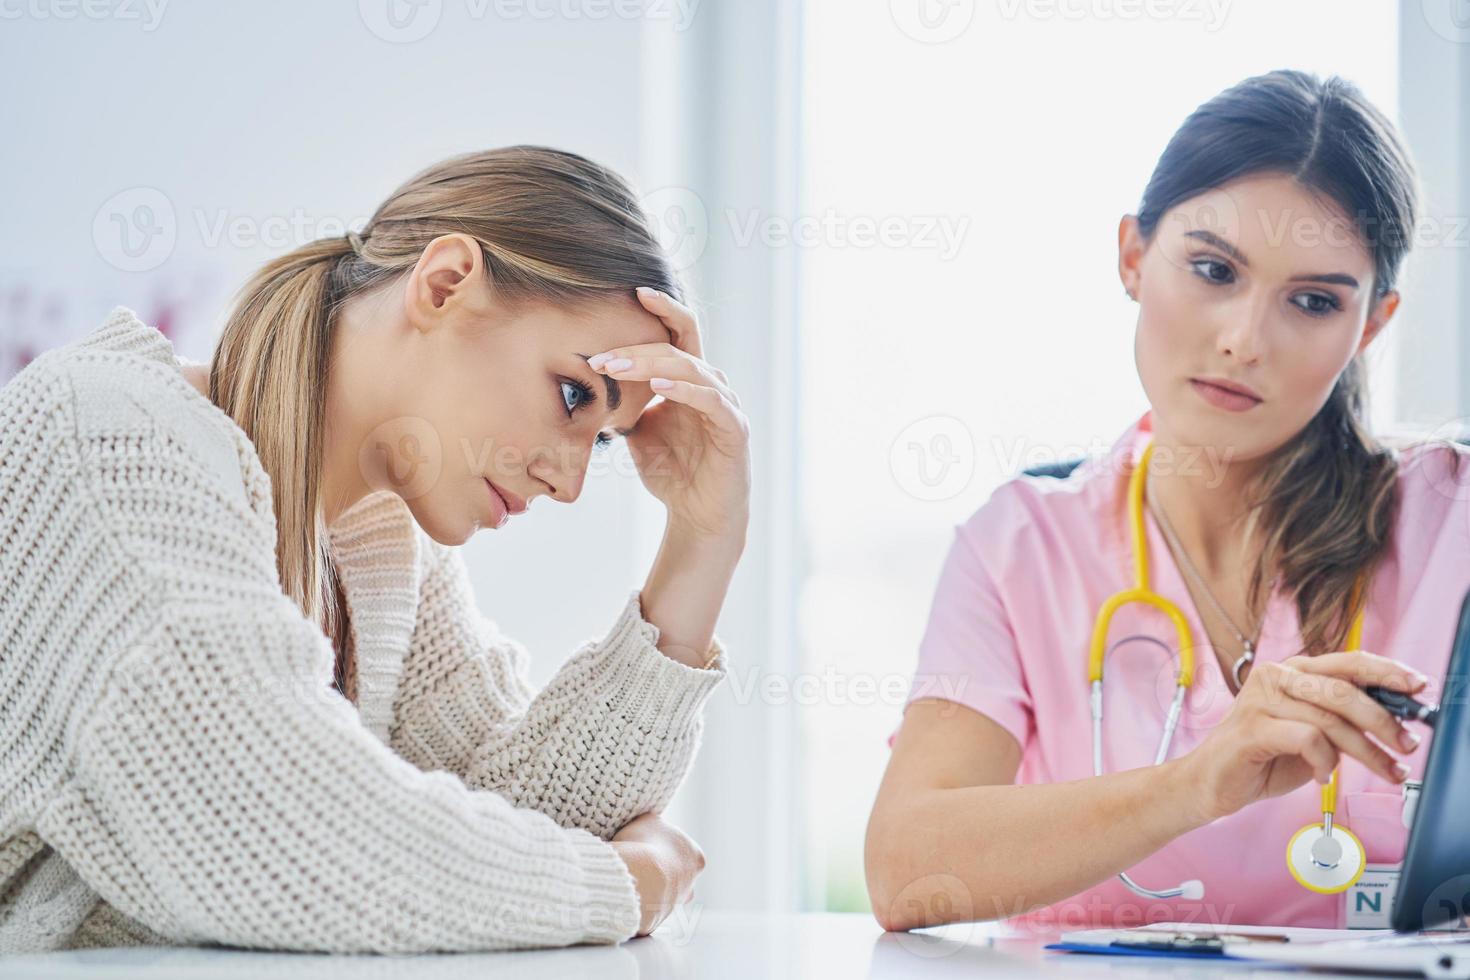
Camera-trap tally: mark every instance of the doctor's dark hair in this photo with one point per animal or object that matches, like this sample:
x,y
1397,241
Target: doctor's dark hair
x,y
552,226
1323,508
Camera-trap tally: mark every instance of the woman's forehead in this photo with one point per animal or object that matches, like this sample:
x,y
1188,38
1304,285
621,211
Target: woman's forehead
x,y
613,322
1273,220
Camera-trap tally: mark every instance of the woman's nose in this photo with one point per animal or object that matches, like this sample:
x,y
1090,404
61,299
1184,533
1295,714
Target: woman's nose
x,y
1243,337
565,476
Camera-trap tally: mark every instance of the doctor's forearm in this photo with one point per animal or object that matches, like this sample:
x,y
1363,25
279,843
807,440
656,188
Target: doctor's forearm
x,y
974,853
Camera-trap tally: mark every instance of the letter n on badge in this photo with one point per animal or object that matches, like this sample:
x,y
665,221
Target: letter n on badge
x,y
1368,903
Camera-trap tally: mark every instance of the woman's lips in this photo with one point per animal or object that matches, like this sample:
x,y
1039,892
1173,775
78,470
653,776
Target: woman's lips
x,y
500,509
1222,397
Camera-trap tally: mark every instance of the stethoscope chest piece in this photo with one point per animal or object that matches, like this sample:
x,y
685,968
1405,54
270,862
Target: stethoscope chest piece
x,y
1323,861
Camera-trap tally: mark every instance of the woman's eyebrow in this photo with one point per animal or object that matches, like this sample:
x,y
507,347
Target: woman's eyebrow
x,y
614,390
1330,278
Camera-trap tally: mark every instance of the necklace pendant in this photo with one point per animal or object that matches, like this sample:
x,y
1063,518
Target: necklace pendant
x,y
1246,657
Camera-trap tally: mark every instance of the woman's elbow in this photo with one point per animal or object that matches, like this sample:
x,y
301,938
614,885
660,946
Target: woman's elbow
x,y
905,891
889,869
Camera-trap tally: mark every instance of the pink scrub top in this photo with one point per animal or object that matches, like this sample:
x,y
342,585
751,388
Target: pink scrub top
x,y
1008,636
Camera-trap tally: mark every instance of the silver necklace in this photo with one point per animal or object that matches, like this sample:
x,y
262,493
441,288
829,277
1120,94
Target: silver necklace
x,y
1248,647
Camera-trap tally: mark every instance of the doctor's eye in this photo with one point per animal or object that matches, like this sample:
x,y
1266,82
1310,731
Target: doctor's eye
x,y
1320,304
1213,271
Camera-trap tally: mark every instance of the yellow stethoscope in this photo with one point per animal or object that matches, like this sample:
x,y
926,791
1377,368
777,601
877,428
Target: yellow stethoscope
x,y
1315,854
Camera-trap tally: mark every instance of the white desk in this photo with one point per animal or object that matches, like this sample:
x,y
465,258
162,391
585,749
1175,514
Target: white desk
x,y
708,945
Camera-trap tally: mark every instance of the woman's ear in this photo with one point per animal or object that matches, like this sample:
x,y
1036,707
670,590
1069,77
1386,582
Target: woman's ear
x,y
1130,254
1379,314
447,279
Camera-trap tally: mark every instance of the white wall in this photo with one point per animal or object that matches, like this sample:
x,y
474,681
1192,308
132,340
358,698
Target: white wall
x,y
1433,389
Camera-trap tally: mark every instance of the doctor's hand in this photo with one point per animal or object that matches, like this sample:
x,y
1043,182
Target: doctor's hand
x,y
664,862
1292,721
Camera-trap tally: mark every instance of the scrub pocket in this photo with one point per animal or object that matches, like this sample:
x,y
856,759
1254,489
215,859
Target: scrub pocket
x,y
1378,821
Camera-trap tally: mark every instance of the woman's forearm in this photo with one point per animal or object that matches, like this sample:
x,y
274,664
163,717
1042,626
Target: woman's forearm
x,y
987,852
685,590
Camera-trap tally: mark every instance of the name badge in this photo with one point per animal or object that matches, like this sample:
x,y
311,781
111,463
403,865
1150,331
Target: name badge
x,y
1367,904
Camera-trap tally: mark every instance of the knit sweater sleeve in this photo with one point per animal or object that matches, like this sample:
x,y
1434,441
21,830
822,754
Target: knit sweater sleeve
x,y
611,736
218,790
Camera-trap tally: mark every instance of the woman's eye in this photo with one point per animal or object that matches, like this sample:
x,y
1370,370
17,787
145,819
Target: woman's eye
x,y
1213,271
1318,304
603,441
580,395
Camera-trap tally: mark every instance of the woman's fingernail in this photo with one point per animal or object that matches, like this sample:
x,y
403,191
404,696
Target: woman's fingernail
x,y
1400,771
1408,740
620,364
647,291
662,384
1420,680
597,360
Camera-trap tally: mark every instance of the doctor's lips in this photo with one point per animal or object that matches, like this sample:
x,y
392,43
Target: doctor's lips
x,y
1229,395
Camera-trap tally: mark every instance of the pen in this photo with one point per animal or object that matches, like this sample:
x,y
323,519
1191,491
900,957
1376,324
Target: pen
x,y
1403,706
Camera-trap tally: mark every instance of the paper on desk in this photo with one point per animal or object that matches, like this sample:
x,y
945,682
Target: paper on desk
x,y
1293,934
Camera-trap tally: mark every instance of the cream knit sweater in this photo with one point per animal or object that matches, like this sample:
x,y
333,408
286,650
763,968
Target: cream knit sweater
x,y
175,766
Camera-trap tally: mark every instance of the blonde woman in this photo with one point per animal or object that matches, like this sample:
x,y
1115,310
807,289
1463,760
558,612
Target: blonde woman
x,y
247,696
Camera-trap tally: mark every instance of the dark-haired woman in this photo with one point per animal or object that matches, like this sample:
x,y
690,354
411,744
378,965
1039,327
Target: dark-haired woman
x,y
1297,558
